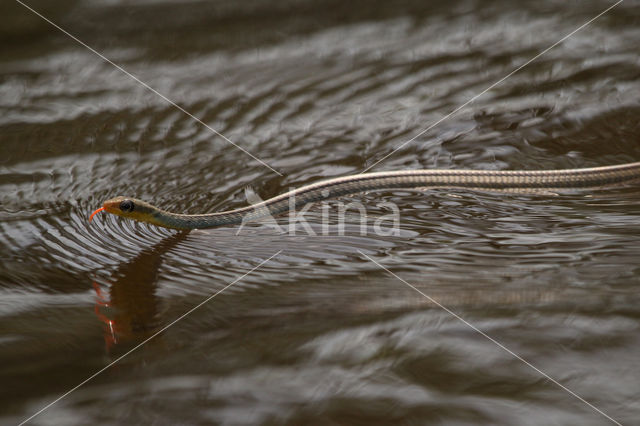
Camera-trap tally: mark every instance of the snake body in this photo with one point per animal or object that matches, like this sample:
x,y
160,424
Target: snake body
x,y
504,180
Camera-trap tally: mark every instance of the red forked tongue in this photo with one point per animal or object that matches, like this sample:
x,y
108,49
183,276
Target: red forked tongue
x,y
94,213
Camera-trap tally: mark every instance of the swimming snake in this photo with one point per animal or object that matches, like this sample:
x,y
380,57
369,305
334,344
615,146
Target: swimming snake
x,y
505,180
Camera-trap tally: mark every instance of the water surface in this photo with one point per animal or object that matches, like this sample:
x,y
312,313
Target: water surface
x,y
319,334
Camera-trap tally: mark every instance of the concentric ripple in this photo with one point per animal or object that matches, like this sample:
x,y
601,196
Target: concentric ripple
x,y
320,333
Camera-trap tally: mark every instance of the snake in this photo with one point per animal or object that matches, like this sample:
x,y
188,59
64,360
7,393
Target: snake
x,y
545,181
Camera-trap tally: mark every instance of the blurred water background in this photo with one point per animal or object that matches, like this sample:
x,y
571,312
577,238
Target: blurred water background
x,y
319,334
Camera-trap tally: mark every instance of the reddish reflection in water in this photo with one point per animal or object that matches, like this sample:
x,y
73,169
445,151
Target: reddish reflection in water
x,y
131,303
109,334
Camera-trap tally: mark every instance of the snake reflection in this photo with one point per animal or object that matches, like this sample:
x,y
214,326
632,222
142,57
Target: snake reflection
x,y
132,296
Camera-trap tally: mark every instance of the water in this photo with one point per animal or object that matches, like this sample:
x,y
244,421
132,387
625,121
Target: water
x,y
319,334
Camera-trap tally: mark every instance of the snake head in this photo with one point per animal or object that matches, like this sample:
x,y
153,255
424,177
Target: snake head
x,y
129,208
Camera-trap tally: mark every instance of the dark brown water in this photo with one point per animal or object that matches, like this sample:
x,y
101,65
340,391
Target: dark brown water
x,y
319,334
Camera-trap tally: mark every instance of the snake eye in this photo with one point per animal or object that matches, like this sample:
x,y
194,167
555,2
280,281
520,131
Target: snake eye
x,y
126,206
